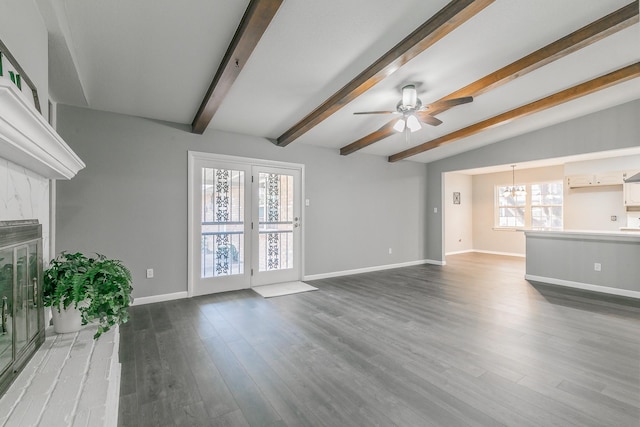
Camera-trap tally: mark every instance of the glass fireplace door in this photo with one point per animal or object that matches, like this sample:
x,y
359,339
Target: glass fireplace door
x,y
22,317
6,302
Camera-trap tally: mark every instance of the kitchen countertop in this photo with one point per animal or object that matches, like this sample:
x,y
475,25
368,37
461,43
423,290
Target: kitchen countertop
x,y
621,235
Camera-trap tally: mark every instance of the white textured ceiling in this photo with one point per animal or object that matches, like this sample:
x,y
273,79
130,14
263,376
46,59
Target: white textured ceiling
x,y
156,58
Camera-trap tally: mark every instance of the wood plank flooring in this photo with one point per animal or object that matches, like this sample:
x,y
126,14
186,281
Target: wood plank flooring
x,y
468,344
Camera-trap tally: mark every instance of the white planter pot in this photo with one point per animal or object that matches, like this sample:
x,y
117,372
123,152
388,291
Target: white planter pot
x,y
66,320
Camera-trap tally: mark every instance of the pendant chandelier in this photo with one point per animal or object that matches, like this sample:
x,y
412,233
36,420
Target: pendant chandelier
x,y
514,190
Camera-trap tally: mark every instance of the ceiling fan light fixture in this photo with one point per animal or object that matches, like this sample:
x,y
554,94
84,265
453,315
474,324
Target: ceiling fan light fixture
x,y
409,96
413,124
399,126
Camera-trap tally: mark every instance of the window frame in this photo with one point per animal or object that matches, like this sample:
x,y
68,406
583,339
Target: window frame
x,y
528,207
497,207
532,206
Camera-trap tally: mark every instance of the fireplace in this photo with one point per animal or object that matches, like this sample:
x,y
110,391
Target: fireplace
x,y
22,315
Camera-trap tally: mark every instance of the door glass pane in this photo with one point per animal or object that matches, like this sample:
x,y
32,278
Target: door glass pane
x,y
276,222
222,222
6,301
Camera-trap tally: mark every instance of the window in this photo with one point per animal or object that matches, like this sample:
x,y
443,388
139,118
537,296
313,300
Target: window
x,y
511,208
540,207
546,205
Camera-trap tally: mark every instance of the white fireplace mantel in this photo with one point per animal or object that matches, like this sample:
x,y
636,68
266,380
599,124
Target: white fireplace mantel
x,y
26,138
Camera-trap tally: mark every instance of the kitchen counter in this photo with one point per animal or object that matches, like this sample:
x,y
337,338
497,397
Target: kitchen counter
x,y
602,261
586,234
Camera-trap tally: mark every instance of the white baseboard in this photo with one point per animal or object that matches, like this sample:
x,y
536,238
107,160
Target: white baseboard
x,y
466,251
585,286
500,253
370,269
159,298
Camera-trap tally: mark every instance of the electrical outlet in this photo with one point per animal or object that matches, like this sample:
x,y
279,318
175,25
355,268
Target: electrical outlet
x,y
390,251
435,210
149,273
597,266
614,218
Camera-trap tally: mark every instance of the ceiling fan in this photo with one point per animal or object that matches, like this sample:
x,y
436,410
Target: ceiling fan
x,y
413,112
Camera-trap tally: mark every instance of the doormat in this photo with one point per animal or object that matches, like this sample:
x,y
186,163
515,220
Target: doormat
x,y
280,289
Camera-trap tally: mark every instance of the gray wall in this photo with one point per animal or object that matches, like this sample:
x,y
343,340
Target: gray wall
x,y
572,258
131,200
614,128
23,31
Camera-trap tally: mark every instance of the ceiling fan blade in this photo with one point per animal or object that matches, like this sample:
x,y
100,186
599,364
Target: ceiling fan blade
x,y
448,103
425,117
377,112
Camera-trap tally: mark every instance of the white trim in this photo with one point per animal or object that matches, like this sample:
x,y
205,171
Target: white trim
x,y
500,253
27,140
466,251
303,220
585,286
52,220
443,215
243,160
160,298
113,389
371,269
190,197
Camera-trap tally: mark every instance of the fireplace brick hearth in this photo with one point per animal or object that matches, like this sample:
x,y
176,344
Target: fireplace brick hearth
x,y
72,380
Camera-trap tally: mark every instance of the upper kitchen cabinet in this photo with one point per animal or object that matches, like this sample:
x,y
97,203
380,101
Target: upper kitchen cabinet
x,y
632,194
599,179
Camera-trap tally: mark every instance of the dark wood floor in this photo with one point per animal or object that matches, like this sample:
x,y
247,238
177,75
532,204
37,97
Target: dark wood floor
x,y
471,344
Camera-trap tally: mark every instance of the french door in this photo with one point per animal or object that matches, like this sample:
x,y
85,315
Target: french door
x,y
245,223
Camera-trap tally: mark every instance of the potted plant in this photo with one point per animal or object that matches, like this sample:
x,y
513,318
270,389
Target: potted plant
x,y
98,288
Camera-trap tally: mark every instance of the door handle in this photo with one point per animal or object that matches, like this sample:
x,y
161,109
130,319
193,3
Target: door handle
x,y
35,292
5,309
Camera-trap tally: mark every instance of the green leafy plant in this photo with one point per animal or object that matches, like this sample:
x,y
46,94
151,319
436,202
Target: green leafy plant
x,y
100,288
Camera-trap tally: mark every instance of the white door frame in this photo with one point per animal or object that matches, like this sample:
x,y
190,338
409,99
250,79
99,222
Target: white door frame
x,y
192,156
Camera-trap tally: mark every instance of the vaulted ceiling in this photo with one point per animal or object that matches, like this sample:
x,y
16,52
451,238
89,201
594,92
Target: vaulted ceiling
x,y
157,59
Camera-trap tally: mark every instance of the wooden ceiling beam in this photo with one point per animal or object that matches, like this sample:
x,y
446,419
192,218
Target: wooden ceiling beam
x,y
597,30
442,23
599,83
254,23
